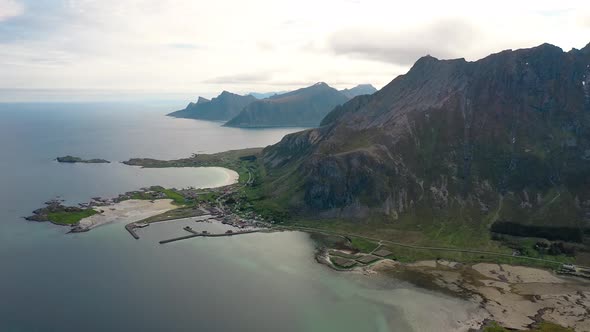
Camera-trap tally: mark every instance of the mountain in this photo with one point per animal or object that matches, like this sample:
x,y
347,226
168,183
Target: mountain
x,y
266,94
300,108
223,107
502,143
361,89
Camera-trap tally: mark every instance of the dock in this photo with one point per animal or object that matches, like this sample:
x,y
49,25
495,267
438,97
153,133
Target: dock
x,y
195,234
131,229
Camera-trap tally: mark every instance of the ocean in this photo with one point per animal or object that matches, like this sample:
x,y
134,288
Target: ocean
x,y
104,280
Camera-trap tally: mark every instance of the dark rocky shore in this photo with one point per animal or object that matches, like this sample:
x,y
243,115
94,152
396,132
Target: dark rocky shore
x,y
73,160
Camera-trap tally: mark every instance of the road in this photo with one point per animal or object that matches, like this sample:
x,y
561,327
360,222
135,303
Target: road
x,y
399,244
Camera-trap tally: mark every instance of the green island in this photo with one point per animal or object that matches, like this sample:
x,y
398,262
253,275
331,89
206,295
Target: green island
x,y
73,160
56,213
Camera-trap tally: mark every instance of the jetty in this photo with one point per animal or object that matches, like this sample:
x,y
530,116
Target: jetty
x,y
131,229
195,234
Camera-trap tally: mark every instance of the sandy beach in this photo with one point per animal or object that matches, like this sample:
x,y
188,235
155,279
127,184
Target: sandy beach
x,y
127,211
231,176
514,296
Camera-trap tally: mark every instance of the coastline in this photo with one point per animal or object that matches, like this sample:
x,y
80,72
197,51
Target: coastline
x,y
516,297
231,177
128,207
134,210
126,211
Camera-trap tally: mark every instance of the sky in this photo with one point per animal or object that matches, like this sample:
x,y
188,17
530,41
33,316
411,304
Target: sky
x,y
95,49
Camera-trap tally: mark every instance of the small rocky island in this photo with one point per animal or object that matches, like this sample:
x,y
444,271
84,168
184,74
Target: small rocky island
x,y
72,160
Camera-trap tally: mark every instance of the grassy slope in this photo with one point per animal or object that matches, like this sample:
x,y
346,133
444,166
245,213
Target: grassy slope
x,y
457,227
70,218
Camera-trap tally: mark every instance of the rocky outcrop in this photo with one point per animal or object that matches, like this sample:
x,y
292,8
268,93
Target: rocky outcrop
x,y
73,160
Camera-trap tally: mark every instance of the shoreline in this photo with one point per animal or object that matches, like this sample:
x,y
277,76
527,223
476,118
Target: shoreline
x,y
516,297
98,205
89,223
231,177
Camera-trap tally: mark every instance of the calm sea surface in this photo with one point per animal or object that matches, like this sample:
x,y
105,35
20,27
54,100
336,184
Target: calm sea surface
x,y
104,280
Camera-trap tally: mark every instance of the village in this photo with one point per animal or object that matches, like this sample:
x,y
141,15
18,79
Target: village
x,y
209,205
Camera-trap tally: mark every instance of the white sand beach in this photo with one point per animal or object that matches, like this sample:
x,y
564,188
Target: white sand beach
x,y
127,211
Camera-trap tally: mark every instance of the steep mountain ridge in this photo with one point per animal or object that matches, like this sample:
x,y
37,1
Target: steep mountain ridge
x,y
502,140
221,108
304,107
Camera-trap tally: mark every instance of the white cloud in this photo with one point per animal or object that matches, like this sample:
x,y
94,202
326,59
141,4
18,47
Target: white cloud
x,y
10,8
205,46
447,38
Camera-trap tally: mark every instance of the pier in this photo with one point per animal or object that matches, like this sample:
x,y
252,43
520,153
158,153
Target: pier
x,y
195,234
131,229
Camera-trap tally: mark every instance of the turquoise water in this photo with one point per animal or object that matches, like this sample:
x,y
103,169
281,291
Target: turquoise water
x,y
104,280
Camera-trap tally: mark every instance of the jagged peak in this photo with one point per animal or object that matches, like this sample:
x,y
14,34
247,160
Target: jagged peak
x,y
320,84
586,49
427,59
425,64
202,100
546,47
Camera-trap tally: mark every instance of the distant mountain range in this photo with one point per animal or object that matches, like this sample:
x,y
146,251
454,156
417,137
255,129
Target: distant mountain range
x,y
266,94
300,108
361,89
221,108
501,144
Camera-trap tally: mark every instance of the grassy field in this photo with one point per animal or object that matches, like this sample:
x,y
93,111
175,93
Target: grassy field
x,y
364,246
69,218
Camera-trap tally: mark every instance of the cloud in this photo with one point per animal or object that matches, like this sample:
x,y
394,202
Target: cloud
x,y
251,78
10,8
446,38
197,46
584,19
185,46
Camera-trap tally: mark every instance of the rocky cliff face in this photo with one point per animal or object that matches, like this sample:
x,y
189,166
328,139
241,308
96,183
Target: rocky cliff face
x,y
221,108
301,108
505,138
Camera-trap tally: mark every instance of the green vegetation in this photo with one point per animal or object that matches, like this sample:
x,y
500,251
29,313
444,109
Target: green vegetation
x,y
542,327
157,192
183,212
460,226
229,159
174,196
69,217
364,246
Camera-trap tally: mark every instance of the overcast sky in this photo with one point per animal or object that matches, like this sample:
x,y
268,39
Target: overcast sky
x,y
190,47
